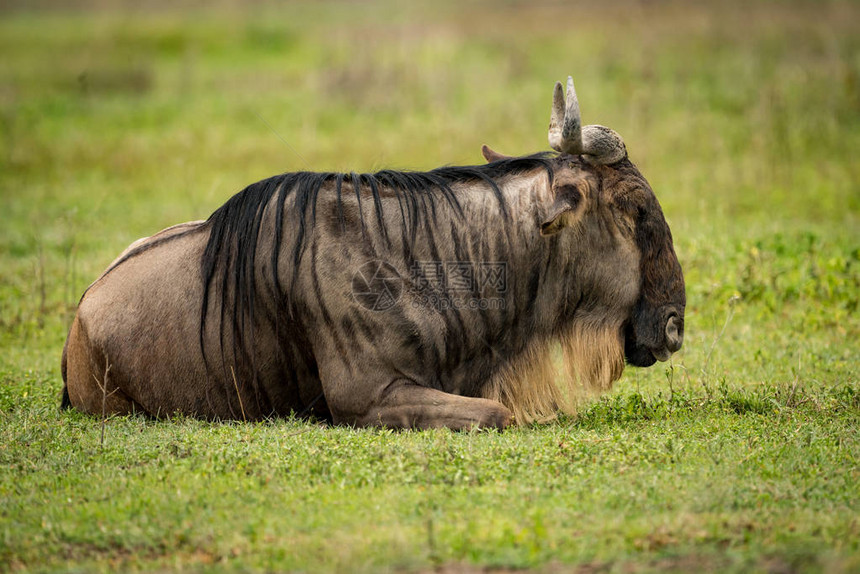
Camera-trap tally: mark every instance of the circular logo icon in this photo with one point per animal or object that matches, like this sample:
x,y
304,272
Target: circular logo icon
x,y
377,286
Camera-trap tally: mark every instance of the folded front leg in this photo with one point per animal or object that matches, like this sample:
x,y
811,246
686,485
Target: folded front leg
x,y
406,405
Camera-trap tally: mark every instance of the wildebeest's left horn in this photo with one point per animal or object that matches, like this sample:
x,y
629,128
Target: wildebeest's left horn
x,y
564,124
599,144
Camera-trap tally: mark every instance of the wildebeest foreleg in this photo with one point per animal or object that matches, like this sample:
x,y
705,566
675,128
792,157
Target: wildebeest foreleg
x,y
406,405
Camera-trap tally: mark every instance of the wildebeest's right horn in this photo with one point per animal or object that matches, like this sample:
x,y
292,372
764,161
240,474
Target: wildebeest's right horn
x,y
599,144
602,145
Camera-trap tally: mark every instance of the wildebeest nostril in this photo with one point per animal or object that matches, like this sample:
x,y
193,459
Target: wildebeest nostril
x,y
674,338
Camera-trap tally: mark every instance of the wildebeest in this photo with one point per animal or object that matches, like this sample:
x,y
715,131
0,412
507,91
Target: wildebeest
x,y
402,299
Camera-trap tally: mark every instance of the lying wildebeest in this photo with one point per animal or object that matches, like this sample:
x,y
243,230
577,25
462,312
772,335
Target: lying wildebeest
x,y
401,299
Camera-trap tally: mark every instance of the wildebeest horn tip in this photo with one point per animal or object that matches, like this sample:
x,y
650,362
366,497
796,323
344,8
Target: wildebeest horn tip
x,y
599,144
557,118
564,125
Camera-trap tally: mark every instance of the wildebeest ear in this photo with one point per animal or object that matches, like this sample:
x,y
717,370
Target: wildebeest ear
x,y
564,210
491,155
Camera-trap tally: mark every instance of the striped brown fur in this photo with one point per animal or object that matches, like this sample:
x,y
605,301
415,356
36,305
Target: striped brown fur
x,y
459,297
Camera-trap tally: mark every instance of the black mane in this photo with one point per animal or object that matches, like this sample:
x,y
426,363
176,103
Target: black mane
x,y
229,258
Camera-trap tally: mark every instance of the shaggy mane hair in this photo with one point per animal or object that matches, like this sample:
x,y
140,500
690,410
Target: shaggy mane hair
x,y
229,259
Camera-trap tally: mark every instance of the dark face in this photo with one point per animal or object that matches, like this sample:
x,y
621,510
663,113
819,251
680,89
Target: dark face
x,y
655,328
629,252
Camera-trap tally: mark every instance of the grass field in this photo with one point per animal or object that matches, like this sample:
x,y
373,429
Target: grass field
x,y
739,455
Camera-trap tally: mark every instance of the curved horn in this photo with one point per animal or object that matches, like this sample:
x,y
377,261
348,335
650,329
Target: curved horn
x,y
564,124
557,118
599,144
571,134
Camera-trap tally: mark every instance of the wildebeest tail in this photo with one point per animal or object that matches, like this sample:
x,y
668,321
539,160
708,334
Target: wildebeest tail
x,y
65,402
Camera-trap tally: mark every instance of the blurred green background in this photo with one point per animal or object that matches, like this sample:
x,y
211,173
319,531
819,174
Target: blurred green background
x,y
119,119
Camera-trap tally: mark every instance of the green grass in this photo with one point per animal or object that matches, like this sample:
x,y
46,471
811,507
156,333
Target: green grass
x,y
740,455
